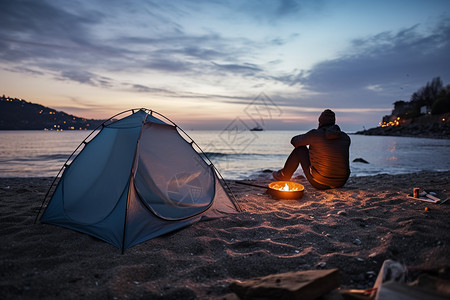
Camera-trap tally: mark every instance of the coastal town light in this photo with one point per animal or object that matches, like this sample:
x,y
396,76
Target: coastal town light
x,y
396,122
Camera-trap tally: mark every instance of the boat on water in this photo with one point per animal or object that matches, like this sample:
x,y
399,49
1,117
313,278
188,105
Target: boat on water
x,y
257,128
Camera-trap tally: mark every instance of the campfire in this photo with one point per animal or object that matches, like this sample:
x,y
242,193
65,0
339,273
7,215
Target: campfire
x,y
286,190
281,189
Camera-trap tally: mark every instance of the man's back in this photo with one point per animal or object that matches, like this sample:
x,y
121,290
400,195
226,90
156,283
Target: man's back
x,y
329,154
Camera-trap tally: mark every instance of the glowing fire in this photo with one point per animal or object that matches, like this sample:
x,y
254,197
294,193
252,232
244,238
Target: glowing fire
x,y
286,190
291,187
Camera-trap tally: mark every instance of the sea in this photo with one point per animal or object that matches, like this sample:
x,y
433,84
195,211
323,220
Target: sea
x,y
236,154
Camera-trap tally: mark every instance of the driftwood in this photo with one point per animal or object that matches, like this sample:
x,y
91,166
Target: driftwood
x,y
303,285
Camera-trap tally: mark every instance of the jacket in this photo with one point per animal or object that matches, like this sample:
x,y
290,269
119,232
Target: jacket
x,y
328,153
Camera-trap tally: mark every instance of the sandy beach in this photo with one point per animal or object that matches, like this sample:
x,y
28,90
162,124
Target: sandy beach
x,y
353,229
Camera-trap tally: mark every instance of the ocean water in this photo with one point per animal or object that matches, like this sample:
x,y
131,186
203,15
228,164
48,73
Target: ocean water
x,y
237,155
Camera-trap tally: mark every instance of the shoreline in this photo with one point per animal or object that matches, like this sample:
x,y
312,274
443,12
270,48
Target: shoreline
x,y
412,131
353,229
419,136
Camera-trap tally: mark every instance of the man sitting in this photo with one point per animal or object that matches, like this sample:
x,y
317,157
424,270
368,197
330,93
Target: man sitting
x,y
326,162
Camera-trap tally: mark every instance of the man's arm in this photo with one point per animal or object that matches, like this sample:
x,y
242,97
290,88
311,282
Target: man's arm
x,y
302,139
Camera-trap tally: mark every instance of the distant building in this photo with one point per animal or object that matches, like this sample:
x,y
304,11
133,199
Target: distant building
x,y
401,107
405,109
425,110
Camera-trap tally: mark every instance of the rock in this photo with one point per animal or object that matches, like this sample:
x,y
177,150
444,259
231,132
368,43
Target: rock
x,y
360,160
230,296
357,242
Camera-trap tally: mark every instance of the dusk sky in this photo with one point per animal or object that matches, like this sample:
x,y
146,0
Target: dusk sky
x,y
205,63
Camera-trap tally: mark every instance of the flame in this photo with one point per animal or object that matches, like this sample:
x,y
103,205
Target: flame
x,y
285,188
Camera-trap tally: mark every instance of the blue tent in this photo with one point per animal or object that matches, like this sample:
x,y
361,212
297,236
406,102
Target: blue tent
x,y
138,178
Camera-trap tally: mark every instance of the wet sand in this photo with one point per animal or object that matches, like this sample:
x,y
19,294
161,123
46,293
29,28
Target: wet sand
x,y
354,229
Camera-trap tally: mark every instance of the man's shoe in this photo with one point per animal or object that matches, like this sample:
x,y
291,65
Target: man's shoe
x,y
279,176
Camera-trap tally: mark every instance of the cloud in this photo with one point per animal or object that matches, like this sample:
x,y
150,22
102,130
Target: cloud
x,y
184,52
201,52
246,68
24,70
375,71
77,41
29,26
277,11
384,62
40,17
85,77
145,89
167,65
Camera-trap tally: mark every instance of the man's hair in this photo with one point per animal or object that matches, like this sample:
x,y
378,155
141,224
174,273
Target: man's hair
x,y
327,117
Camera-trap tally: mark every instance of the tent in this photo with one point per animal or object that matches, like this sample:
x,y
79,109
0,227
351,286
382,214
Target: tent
x,y
136,179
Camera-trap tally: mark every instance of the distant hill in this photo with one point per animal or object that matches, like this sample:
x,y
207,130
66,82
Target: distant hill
x,y
18,114
427,114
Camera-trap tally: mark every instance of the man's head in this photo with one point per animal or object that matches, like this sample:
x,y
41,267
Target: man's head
x,y
327,118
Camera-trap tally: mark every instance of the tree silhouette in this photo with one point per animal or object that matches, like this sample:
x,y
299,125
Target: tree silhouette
x,y
426,95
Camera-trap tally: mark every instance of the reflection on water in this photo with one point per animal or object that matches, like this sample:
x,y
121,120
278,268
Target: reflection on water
x,y
392,147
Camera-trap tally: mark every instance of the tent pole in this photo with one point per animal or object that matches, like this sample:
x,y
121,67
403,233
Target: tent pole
x,y
130,183
46,195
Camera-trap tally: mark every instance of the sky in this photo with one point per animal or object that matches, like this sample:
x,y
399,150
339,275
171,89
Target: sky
x,y
209,64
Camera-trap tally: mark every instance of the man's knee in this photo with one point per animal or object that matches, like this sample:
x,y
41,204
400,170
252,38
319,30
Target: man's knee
x,y
301,151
